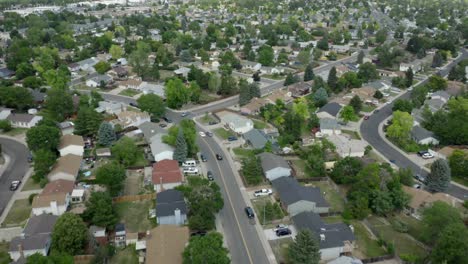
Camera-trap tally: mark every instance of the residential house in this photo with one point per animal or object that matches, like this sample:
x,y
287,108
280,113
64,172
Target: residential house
x,y
423,136
71,144
258,139
254,106
416,66
166,243
334,239
130,84
23,120
98,236
38,96
5,112
119,72
153,135
66,168
166,175
441,95
299,89
103,152
77,196
98,80
35,238
132,118
455,88
330,110
84,65
235,122
282,94
171,208
340,48
421,199
5,73
329,126
152,88
66,127
296,198
120,235
112,108
274,166
183,71
251,65
346,146
54,198
434,104
345,260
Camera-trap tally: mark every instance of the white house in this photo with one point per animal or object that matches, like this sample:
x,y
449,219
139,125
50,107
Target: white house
x,y
54,198
235,122
347,147
112,108
274,166
171,208
23,120
71,144
254,66
423,136
98,80
159,149
66,168
329,126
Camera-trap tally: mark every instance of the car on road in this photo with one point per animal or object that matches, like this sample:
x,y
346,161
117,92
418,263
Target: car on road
x,y
209,175
30,158
280,226
202,134
283,232
392,161
219,157
133,104
212,123
249,212
203,158
420,178
14,185
376,110
162,125
366,117
427,156
263,192
210,134
232,138
184,114
168,120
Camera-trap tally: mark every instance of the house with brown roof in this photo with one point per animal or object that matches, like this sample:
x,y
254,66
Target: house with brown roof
x,y
166,243
421,199
71,144
66,168
300,89
253,107
166,175
54,198
282,94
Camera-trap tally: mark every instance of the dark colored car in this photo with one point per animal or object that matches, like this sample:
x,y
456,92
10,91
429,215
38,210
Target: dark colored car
x,y
133,104
249,212
219,157
212,123
198,233
283,232
14,185
168,120
209,175
366,117
420,178
203,158
30,158
422,152
210,134
155,120
232,138
162,125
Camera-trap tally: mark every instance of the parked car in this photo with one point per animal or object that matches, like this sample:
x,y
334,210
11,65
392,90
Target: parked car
x,y
280,226
422,152
190,170
184,114
209,175
420,178
366,117
427,156
198,233
30,158
219,157
203,158
162,125
283,232
14,185
417,186
210,134
232,138
202,134
250,213
263,192
212,123
168,120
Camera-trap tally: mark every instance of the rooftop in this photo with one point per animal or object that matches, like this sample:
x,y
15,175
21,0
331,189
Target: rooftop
x,y
271,161
330,108
166,171
71,140
168,201
291,191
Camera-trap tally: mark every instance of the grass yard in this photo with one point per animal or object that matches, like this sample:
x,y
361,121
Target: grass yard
x,y
302,169
223,133
135,215
15,131
273,76
331,195
459,180
206,119
280,249
258,124
242,152
4,256
206,98
352,134
367,246
415,229
333,219
373,155
30,185
132,183
269,213
125,256
163,74
129,92
19,213
368,108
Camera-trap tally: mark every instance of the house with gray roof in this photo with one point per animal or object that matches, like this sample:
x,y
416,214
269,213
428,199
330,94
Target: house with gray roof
x,y
35,238
296,198
329,110
98,80
423,136
258,139
23,120
274,166
153,135
329,126
334,239
112,108
171,208
5,73
152,88
441,95
84,65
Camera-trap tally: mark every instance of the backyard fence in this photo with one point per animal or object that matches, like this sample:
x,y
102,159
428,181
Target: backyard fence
x,y
83,259
134,198
377,259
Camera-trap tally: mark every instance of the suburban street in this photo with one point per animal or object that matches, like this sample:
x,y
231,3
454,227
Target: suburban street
x,y
369,131
16,169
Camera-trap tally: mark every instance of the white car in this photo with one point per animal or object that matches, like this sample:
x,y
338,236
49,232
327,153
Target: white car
x,y
202,134
417,186
427,156
263,192
190,170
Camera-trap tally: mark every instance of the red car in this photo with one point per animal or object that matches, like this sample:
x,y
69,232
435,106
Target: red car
x,y
366,117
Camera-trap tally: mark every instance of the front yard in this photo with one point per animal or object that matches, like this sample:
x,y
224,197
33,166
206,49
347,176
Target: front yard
x,y
4,256
223,133
127,255
31,185
266,210
129,92
242,152
19,213
135,215
280,249
352,134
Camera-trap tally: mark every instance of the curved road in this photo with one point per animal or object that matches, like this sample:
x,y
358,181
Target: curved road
x,y
369,131
16,169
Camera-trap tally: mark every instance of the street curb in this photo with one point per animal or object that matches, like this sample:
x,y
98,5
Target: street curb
x,y
15,139
5,164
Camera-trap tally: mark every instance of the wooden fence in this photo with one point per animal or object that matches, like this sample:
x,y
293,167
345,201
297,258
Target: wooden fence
x,y
83,259
377,259
134,198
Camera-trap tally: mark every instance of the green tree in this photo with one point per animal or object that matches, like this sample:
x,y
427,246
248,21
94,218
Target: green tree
x,y
356,103
309,73
458,162
126,152
138,59
116,52
252,170
381,36
102,67
176,93
360,57
16,97
24,70
59,104
305,249
409,76
401,126
402,105
43,137
100,211
32,82
195,92
244,92
290,79
112,175
87,121
418,95
44,159
57,79
347,113
381,203
152,104
54,258
405,175
436,83
435,220
228,85
266,55
190,135
5,125
206,249
378,95
180,153
368,72
452,244
320,97
69,234
214,83
304,57
439,178
332,78
106,134
345,170
437,60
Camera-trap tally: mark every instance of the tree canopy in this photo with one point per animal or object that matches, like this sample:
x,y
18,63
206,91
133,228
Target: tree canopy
x,y
69,234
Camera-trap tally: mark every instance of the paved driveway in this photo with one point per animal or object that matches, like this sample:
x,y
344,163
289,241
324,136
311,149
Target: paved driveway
x,y
271,234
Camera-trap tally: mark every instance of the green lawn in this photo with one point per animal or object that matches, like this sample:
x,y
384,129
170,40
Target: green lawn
x,y
461,181
125,256
331,195
333,219
15,131
206,119
264,214
135,215
163,74
415,228
367,108
274,76
223,133
352,134
365,244
301,167
259,124
206,98
4,256
31,185
129,92
19,213
242,152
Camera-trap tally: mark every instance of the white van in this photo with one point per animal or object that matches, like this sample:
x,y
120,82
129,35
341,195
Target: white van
x,y
189,163
190,170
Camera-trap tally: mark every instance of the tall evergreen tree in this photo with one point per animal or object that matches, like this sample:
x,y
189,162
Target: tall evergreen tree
x,y
180,153
309,73
356,103
289,79
254,90
437,60
244,92
409,77
360,57
106,134
439,178
305,249
332,78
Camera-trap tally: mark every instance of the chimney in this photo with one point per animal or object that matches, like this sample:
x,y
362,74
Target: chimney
x,y
178,218
20,249
322,237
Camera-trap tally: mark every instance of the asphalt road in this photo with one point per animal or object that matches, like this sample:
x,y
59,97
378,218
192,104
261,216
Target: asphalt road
x,y
16,169
369,131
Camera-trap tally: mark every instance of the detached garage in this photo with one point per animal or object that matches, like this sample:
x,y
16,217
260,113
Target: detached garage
x,y
274,166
